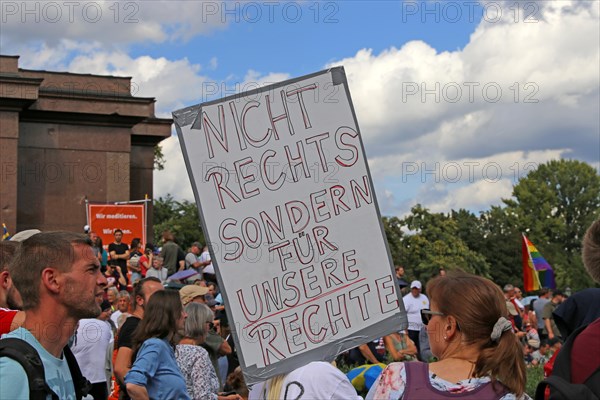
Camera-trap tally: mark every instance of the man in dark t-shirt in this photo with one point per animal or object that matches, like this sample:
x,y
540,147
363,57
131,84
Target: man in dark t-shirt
x,y
368,353
142,292
119,252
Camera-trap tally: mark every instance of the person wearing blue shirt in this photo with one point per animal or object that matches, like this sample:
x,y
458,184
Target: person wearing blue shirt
x,y
155,373
60,282
14,383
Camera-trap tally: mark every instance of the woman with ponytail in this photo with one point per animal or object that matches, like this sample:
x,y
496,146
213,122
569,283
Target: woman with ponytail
x,y
478,354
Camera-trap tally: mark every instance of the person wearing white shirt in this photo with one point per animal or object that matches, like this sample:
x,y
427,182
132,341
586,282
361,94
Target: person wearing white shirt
x,y
209,269
414,302
157,270
123,303
92,339
316,380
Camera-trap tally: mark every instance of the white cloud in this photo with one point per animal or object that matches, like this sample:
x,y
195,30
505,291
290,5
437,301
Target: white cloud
x,y
476,196
174,178
517,95
467,147
214,63
417,107
174,83
113,23
510,165
257,79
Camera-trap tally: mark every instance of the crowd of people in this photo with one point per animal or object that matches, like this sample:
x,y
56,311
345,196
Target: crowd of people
x,y
137,333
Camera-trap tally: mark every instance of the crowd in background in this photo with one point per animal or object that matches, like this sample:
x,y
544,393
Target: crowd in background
x,y
163,333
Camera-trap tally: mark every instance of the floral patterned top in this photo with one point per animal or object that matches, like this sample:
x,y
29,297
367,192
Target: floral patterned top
x,y
392,382
197,370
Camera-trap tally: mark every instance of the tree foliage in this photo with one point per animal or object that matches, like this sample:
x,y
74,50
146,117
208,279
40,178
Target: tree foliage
x,y
436,244
554,204
393,230
159,158
180,217
501,245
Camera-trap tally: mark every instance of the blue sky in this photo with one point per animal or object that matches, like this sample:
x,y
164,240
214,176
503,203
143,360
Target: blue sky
x,y
300,37
511,84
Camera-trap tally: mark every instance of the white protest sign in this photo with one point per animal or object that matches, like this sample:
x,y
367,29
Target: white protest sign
x,y
288,207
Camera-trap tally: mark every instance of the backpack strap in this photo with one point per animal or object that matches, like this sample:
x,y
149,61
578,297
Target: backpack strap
x,y
81,384
27,356
560,380
563,389
593,382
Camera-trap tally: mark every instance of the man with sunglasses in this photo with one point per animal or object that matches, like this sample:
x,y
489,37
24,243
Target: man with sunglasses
x,y
414,302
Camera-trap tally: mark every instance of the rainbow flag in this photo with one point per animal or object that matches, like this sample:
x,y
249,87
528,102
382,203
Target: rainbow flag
x,y
537,273
5,234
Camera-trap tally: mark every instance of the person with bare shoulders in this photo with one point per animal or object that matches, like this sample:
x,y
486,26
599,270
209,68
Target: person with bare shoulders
x,y
400,347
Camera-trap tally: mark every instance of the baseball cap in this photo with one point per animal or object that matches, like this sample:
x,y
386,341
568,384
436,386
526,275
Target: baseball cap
x,y
197,244
512,310
190,292
24,235
535,343
415,284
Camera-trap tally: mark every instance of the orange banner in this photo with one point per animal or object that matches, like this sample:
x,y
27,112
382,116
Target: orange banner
x,y
130,218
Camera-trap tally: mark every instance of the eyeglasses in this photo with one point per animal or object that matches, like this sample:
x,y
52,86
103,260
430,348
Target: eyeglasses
x,y
427,314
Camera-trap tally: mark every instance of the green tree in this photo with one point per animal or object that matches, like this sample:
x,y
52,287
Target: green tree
x,y
436,244
180,217
494,236
159,158
555,204
469,229
393,231
501,245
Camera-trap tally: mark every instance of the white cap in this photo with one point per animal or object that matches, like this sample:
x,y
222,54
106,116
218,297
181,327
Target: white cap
x,y
23,235
415,284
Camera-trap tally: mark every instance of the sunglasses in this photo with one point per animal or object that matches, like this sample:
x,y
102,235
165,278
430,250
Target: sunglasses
x,y
427,314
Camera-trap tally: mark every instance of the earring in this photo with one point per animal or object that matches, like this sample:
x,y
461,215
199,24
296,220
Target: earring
x,y
446,338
